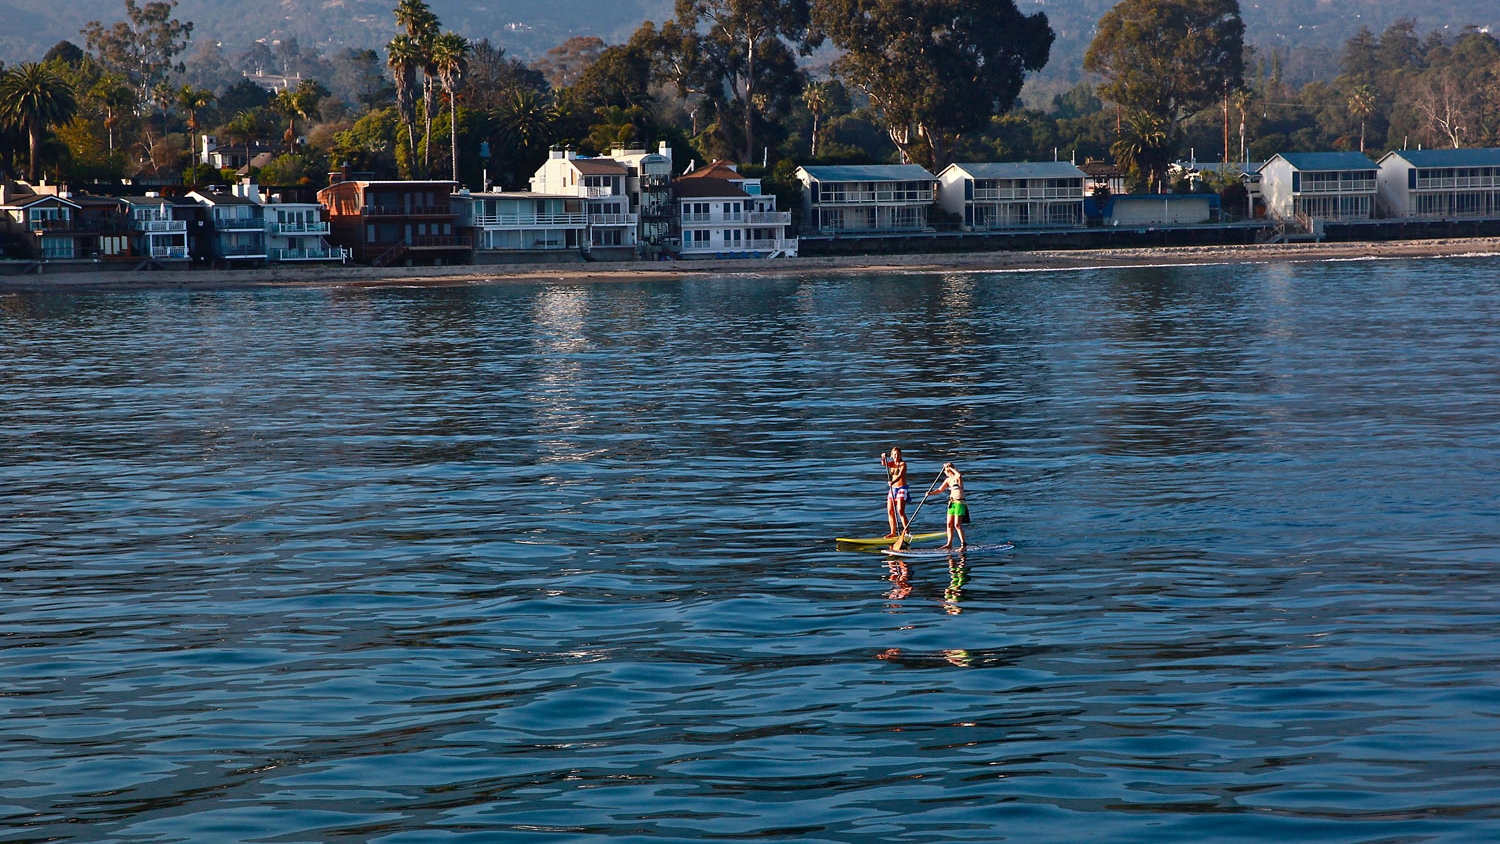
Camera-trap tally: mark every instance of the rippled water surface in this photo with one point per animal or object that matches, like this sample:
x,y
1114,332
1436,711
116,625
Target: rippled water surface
x,y
555,562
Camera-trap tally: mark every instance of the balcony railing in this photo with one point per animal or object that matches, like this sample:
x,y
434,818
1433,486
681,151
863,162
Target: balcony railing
x,y
613,219
528,221
874,197
595,190
238,224
769,218
438,241
1344,186
242,251
328,254
45,224
299,228
993,194
161,226
169,252
1457,183
403,211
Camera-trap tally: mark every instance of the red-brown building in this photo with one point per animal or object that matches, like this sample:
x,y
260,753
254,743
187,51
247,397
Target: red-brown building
x,y
395,222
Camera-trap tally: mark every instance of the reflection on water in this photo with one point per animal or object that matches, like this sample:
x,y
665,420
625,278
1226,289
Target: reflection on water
x,y
548,562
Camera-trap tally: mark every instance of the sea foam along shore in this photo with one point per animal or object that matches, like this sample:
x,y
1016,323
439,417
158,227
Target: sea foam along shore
x,y
314,275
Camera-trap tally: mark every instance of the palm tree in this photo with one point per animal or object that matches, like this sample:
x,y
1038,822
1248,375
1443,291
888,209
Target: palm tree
x,y
450,52
1144,148
528,117
419,21
114,92
34,97
422,28
815,98
303,102
244,127
402,57
1362,105
192,100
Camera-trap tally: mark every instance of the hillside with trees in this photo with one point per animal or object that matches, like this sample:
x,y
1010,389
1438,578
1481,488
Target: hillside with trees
x,y
767,83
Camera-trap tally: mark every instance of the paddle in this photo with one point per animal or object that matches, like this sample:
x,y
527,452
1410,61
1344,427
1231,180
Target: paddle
x,y
905,538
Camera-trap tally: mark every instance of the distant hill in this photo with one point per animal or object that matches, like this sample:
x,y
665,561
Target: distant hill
x,y
1309,32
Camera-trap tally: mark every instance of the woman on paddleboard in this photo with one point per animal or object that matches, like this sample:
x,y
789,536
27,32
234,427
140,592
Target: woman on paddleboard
x,y
958,511
896,494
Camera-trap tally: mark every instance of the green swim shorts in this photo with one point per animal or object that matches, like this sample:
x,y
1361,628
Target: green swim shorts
x,y
959,509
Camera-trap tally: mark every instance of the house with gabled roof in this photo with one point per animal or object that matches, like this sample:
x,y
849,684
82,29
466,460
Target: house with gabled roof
x,y
722,213
43,223
601,183
1306,186
866,199
1440,183
1013,195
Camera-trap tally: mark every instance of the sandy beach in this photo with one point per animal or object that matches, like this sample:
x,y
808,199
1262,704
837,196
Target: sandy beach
x,y
302,275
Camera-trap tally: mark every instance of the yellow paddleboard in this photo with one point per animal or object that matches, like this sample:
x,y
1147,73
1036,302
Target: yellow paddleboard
x,y
886,541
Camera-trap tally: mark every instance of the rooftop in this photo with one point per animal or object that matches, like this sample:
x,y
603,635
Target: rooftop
x,y
868,173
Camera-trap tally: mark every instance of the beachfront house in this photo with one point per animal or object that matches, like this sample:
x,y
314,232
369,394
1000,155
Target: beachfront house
x,y
514,226
1104,178
600,183
159,227
41,223
648,185
866,199
1300,187
385,223
1440,184
296,231
1018,195
722,213
236,223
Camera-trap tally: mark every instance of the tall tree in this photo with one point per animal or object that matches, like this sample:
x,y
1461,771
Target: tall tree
x,y
742,51
191,101
142,46
1169,58
935,69
422,28
450,54
562,64
1362,105
1144,149
33,97
403,57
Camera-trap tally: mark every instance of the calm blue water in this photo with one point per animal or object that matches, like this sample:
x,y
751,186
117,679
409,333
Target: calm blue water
x,y
555,563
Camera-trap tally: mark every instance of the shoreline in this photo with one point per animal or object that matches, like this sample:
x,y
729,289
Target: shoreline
x,y
574,273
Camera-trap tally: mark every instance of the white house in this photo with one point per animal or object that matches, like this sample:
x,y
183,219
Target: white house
x,y
1025,194
161,231
600,183
721,213
1305,186
866,199
296,231
1440,183
518,225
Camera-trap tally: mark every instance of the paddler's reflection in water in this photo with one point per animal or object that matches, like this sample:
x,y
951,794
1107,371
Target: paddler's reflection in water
x,y
958,577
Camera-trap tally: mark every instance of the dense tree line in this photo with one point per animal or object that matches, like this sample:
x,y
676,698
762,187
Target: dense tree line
x,y
766,83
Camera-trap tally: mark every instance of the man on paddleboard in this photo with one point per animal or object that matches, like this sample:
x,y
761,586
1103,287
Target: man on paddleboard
x,y
897,494
958,511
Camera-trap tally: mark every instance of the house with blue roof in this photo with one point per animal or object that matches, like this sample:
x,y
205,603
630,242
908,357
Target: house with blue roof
x,y
1306,186
1440,183
866,199
1013,195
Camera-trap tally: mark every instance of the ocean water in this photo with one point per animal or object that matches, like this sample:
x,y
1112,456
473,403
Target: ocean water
x,y
555,562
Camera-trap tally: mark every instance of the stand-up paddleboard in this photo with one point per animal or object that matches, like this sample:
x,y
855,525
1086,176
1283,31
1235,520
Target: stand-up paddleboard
x,y
950,552
887,541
